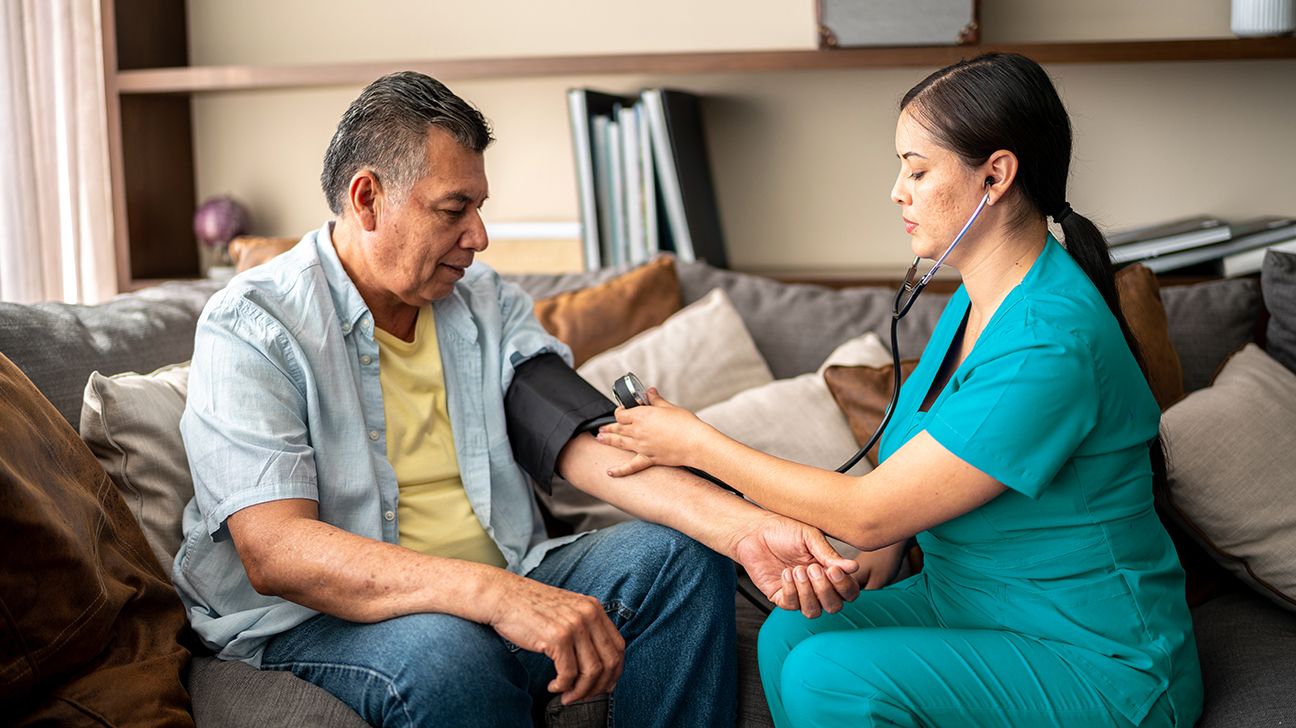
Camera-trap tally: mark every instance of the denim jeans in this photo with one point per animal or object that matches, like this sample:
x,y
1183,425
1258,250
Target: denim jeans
x,y
671,598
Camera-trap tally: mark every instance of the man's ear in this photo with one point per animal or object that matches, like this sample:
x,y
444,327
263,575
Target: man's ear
x,y
1000,170
365,198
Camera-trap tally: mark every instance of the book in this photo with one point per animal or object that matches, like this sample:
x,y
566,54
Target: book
x,y
1251,261
684,175
631,161
1141,244
1252,234
583,107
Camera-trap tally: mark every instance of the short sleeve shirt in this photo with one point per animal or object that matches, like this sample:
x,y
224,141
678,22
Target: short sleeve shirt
x,y
1051,403
285,401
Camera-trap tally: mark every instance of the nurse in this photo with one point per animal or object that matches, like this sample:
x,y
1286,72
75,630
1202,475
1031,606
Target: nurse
x,y
1022,455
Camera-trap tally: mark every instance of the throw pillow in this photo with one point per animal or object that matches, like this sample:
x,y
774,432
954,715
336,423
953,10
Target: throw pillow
x,y
598,318
1208,322
132,424
88,621
863,393
1230,481
794,419
249,251
699,356
1278,285
1140,299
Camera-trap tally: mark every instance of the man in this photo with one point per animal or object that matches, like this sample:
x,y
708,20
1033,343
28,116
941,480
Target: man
x,y
359,518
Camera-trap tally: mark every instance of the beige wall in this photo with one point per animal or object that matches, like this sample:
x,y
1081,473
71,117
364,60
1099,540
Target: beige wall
x,y
803,160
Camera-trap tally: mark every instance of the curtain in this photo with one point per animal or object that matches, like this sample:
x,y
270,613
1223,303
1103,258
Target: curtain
x,y
56,225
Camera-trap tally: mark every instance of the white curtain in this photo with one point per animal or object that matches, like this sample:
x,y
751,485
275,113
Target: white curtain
x,y
56,225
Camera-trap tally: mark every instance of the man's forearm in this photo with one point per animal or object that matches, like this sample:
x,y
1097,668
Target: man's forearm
x,y
669,496
320,566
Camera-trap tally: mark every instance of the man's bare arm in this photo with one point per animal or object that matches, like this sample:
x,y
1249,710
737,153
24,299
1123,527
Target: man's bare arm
x,y
288,552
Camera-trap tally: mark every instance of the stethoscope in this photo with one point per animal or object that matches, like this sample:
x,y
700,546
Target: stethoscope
x,y
630,392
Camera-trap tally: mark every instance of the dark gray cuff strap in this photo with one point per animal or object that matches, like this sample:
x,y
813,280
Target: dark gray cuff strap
x,y
546,406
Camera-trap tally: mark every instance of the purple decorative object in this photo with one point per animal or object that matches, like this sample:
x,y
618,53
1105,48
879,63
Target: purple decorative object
x,y
219,220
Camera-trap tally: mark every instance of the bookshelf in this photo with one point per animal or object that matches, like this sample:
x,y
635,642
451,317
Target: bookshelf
x,y
150,86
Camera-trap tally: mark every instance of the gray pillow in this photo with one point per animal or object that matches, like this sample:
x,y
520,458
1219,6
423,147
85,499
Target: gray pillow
x,y
57,345
1208,322
795,325
1278,281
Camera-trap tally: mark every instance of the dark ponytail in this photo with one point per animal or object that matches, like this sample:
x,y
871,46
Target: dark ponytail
x,y
1006,101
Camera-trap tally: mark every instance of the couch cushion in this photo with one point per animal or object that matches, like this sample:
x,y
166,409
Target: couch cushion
x,y
863,393
88,621
796,325
810,428
1140,298
1208,322
698,357
237,695
132,424
595,319
1248,657
57,345
1231,480
1278,281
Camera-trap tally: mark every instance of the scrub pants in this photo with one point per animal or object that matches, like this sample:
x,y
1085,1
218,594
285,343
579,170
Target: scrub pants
x,y
886,660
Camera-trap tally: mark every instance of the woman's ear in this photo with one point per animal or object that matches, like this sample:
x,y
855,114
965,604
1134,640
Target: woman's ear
x,y
1000,170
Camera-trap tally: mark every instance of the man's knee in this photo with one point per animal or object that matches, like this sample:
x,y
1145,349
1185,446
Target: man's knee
x,y
438,657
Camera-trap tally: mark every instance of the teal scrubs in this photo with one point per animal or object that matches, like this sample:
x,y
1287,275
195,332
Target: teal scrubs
x,y
1060,602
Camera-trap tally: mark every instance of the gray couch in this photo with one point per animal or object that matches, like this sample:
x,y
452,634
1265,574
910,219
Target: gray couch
x,y
1247,645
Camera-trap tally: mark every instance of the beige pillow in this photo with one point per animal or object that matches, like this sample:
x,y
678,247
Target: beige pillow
x,y
795,419
132,424
1232,476
697,357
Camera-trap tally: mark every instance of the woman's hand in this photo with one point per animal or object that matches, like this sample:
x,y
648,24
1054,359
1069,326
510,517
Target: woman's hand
x,y
772,546
878,568
661,434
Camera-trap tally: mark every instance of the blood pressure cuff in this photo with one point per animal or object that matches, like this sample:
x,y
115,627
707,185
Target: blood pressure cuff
x,y
546,406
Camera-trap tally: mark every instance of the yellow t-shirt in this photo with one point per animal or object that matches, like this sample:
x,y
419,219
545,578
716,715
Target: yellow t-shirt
x,y
434,515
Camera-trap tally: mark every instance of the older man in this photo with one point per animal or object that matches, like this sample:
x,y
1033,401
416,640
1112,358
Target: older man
x,y
359,518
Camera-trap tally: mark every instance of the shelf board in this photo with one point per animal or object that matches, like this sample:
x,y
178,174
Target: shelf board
x,y
198,79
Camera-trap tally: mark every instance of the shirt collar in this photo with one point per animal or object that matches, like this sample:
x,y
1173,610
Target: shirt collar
x,y
347,301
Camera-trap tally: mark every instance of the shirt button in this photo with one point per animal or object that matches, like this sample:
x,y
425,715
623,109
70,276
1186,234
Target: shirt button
x,y
364,323
346,328
365,359
373,435
390,516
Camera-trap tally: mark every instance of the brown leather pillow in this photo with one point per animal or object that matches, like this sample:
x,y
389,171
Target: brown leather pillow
x,y
248,251
595,319
88,621
1140,297
863,394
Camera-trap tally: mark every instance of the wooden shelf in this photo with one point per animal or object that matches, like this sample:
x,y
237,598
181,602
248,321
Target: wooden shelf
x,y
198,79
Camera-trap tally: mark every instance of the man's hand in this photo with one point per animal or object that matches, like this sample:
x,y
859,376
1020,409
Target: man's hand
x,y
571,629
774,548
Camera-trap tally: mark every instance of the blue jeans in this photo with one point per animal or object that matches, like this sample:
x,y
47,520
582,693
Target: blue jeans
x,y
671,598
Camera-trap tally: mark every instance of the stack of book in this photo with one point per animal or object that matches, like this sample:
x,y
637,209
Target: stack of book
x,y
643,178
1203,245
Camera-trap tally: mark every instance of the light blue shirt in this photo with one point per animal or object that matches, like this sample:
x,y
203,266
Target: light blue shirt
x,y
285,402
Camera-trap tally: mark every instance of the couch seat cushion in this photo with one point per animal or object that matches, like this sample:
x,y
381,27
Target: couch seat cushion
x,y
1247,648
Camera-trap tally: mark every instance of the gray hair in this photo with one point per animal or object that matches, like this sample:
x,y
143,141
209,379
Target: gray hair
x,y
385,130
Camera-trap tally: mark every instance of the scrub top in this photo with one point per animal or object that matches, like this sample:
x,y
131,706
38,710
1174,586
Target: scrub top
x,y
1051,403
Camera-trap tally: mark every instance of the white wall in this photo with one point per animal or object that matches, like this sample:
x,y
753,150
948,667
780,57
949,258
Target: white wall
x,y
803,160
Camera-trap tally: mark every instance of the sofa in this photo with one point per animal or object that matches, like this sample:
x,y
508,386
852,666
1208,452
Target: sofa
x,y
1246,636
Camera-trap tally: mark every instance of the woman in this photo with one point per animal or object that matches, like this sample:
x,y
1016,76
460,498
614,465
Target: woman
x,y
1022,455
